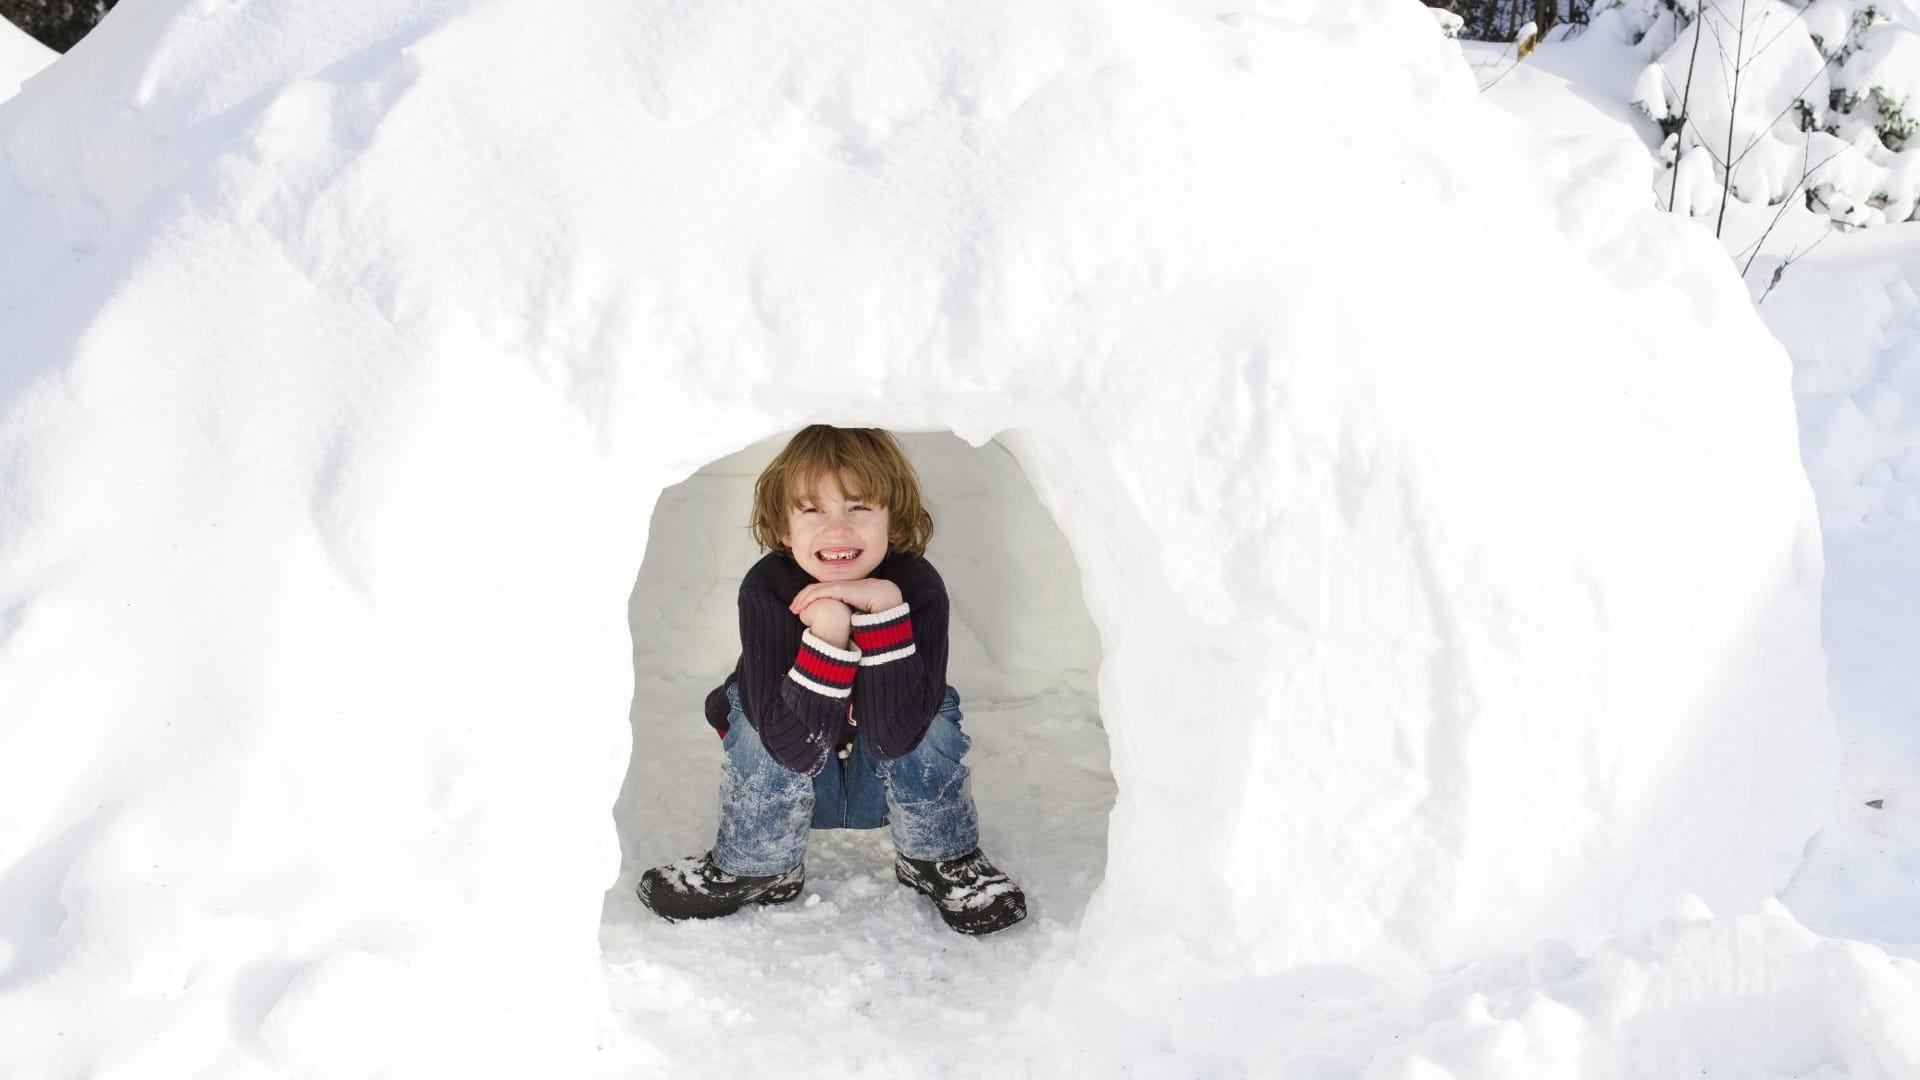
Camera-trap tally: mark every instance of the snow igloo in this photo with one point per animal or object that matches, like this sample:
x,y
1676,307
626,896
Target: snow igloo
x,y
348,347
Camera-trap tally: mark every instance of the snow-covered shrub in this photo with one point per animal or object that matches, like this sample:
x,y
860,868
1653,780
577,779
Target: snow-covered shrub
x,y
1769,78
1874,50
1836,25
1648,24
1885,74
1450,23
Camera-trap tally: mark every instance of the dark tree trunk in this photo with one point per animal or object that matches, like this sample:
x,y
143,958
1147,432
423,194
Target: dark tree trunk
x,y
1545,14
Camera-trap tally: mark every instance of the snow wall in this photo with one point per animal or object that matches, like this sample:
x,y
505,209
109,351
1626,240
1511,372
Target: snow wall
x,y
347,347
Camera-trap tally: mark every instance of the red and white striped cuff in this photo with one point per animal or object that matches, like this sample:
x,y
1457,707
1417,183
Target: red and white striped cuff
x,y
884,636
823,668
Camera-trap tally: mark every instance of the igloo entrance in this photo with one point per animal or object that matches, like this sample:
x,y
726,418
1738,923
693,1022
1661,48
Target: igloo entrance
x,y
1024,659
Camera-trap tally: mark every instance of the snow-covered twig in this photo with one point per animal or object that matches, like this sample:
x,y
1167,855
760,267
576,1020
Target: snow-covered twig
x,y
1523,43
1673,189
1752,251
1780,270
1761,133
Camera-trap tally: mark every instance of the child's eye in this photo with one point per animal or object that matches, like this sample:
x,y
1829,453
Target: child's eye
x,y
859,506
808,509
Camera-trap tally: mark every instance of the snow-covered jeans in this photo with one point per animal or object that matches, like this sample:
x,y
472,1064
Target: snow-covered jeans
x,y
765,810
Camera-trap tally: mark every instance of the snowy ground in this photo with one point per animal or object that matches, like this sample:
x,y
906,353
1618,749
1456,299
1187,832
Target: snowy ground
x,y
1850,315
843,976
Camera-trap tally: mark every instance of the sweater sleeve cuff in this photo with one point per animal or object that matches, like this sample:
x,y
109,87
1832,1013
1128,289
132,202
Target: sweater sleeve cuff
x,y
825,669
883,636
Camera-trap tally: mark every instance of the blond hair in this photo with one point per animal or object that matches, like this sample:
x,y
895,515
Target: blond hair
x,y
867,461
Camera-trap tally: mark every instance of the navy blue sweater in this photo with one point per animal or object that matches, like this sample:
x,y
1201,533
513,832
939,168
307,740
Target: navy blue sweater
x,y
799,693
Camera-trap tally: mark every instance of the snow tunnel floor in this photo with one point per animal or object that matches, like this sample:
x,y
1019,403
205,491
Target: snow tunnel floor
x,y
860,971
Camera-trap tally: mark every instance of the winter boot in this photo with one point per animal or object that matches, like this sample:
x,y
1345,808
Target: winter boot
x,y
972,895
694,888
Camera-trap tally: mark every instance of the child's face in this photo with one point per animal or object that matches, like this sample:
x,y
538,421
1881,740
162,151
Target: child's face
x,y
836,535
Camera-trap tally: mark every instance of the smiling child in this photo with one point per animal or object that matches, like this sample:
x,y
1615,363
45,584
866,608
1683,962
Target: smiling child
x,y
837,714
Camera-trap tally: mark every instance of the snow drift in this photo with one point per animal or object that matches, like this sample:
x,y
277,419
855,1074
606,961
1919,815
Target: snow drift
x,y
349,347
20,58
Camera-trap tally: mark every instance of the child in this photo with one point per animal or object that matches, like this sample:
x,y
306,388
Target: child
x,y
838,715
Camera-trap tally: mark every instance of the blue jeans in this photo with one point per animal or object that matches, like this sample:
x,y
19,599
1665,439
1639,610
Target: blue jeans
x,y
765,810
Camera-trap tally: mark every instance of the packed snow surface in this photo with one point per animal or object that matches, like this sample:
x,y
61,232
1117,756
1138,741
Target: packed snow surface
x,y
351,348
1851,317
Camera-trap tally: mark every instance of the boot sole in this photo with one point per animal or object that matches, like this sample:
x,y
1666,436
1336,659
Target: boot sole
x,y
782,894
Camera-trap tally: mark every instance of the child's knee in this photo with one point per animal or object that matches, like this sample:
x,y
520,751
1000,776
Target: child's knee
x,y
932,769
945,739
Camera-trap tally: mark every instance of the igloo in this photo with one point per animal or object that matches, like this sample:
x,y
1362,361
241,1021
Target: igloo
x,y
348,348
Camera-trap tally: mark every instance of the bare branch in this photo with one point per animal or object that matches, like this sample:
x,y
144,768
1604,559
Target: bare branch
x,y
1752,251
1686,120
1797,98
1780,270
1700,140
1727,65
1733,113
1484,87
1711,10
1798,16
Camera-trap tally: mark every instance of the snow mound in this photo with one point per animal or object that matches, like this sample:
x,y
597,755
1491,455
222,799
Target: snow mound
x,y
20,58
356,343
1688,995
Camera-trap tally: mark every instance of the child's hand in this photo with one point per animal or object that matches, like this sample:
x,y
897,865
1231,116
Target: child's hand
x,y
830,620
869,595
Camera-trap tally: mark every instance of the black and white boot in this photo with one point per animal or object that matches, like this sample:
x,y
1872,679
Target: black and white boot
x,y
972,895
694,888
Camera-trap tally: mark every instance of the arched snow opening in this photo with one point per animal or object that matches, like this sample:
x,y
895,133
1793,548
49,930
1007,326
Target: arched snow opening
x,y
1024,660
